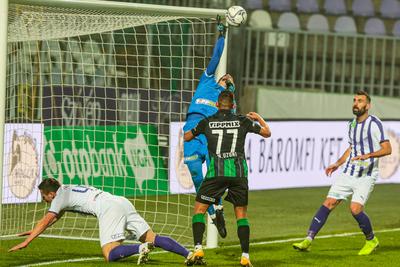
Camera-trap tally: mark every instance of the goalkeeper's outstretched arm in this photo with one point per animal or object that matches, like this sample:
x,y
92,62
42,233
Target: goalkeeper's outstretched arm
x,y
42,225
218,49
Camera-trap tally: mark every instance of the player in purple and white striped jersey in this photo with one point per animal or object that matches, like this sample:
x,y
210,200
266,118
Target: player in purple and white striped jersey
x,y
367,143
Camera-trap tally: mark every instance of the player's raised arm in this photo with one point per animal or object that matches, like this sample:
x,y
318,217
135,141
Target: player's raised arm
x,y
265,131
42,225
218,49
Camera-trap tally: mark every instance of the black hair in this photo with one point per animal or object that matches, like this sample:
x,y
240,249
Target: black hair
x,y
362,92
226,97
49,185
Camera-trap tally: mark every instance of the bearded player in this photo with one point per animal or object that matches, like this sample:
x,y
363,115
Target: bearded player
x,y
367,143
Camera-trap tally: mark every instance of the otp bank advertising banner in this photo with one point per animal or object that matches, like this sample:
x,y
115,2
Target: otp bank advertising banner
x,y
295,156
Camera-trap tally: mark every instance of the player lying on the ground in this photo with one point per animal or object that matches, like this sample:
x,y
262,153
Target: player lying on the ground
x,y
115,214
367,144
226,134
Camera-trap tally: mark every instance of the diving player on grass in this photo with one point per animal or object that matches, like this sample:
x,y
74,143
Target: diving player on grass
x,y
203,104
115,214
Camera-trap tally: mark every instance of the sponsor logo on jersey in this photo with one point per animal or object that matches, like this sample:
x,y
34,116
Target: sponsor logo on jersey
x,y
117,236
361,163
206,198
203,101
192,157
224,124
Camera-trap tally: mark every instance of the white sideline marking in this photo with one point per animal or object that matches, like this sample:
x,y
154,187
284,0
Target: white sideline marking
x,y
318,237
63,261
251,244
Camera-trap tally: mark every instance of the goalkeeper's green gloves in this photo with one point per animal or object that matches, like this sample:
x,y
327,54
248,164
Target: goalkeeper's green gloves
x,y
221,27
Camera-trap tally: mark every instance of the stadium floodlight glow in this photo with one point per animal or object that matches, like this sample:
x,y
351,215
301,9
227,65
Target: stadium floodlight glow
x,y
97,83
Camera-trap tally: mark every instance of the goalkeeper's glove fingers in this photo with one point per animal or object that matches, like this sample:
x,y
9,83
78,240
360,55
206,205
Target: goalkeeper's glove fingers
x,y
230,86
220,26
222,29
218,19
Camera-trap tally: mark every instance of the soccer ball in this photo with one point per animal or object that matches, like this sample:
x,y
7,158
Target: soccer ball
x,y
236,16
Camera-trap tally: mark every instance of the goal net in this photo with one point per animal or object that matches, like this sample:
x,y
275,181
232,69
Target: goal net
x,y
91,91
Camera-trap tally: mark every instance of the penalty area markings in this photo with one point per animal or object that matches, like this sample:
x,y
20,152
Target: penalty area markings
x,y
231,246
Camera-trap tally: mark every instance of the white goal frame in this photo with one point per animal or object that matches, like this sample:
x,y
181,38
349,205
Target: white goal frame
x,y
212,239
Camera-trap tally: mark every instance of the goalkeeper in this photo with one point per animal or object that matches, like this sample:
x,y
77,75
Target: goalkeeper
x,y
115,214
202,106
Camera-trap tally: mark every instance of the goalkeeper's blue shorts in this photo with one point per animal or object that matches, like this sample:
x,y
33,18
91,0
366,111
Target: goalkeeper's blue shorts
x,y
196,149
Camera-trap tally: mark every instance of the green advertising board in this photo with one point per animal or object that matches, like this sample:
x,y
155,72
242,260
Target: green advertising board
x,y
123,160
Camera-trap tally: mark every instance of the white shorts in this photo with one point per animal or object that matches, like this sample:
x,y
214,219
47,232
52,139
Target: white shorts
x,y
346,185
115,215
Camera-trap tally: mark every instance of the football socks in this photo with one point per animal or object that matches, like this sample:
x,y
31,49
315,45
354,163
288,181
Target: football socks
x,y
243,232
318,221
365,225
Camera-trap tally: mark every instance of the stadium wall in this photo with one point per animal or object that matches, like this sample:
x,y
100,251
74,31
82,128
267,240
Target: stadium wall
x,y
279,103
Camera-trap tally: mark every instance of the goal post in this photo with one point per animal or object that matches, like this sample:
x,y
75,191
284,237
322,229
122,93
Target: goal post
x,y
92,87
3,86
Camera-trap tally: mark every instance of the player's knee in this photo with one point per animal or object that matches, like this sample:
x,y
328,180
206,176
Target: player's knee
x,y
356,208
149,236
200,208
331,203
240,212
105,257
107,248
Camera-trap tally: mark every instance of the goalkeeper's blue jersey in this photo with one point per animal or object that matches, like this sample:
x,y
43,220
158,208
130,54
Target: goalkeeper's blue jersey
x,y
205,98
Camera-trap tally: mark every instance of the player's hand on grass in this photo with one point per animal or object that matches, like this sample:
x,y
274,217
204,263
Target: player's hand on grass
x,y
19,246
361,157
331,168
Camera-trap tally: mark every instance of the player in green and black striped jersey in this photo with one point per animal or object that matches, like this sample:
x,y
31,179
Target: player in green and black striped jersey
x,y
226,134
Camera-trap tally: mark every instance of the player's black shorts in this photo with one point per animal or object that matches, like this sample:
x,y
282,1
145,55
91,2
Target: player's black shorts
x,y
212,189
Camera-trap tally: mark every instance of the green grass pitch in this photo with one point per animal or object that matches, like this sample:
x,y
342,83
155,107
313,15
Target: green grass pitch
x,y
274,215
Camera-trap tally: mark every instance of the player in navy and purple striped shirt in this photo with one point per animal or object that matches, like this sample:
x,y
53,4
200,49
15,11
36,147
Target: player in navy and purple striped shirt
x,y
367,143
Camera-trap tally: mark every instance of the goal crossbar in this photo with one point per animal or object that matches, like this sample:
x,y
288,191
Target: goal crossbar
x,y
126,8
